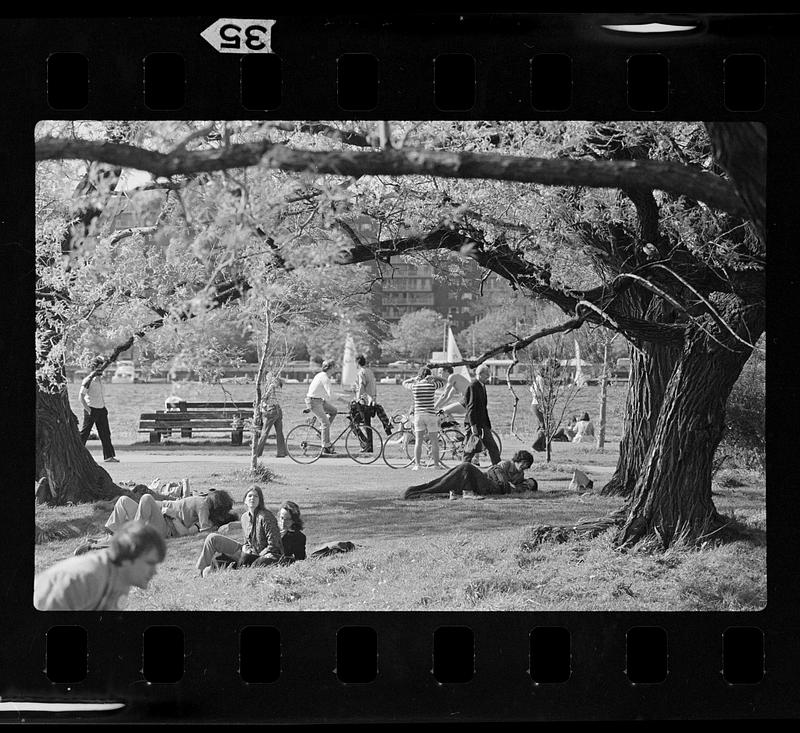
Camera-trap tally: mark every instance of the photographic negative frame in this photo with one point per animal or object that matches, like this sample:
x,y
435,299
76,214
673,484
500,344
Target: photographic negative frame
x,y
175,666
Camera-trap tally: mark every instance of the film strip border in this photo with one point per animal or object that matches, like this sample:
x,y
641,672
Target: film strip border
x,y
451,82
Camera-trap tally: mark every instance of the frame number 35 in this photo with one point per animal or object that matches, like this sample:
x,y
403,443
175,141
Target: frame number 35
x,y
236,35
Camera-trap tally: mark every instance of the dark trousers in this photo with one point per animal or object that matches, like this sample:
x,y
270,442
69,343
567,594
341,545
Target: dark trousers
x,y
460,478
362,414
488,442
98,416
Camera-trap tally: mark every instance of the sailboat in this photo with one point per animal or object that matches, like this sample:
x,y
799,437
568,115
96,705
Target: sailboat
x,y
454,354
349,364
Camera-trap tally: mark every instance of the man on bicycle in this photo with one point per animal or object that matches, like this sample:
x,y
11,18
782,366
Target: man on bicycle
x,y
423,387
317,400
453,395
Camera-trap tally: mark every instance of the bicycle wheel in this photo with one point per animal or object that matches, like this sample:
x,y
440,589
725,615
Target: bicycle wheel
x,y
451,446
497,441
304,443
357,438
398,449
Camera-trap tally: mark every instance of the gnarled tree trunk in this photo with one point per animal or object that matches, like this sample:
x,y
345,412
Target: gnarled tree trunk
x,y
71,472
671,499
651,368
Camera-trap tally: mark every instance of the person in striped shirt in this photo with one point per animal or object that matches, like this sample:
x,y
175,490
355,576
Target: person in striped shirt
x,y
423,387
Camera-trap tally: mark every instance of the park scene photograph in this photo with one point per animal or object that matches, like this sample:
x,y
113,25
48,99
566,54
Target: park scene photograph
x,y
400,365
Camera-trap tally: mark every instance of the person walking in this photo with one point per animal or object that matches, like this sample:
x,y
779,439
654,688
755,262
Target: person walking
x,y
423,387
272,416
365,405
476,419
101,580
94,410
317,400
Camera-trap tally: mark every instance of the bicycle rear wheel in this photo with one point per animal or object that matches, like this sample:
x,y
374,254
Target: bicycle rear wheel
x,y
304,443
398,449
358,438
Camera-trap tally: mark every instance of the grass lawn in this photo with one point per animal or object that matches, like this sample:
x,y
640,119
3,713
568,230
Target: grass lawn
x,y
432,553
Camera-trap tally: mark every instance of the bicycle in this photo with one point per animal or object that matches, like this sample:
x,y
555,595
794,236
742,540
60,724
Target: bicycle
x,y
304,442
398,448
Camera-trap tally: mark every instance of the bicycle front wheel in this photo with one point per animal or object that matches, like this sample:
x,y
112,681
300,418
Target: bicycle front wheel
x,y
398,449
363,444
304,444
451,446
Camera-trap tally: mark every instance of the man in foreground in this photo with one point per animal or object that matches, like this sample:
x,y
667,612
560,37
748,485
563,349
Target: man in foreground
x,y
100,580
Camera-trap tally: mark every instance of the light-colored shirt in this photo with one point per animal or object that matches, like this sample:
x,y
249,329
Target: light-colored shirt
x,y
191,510
584,431
423,391
537,389
320,386
89,582
366,386
91,392
272,394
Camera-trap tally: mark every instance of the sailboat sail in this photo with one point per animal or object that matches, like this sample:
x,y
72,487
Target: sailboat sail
x,y
349,363
454,354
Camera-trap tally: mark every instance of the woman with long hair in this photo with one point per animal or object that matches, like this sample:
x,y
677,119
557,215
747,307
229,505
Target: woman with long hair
x,y
261,543
290,523
468,481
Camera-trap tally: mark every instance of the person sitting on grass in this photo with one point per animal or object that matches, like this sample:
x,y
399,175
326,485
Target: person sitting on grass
x,y
566,433
294,541
261,543
584,430
100,581
188,516
468,481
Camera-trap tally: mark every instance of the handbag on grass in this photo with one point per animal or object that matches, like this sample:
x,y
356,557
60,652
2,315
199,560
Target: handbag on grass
x,y
473,444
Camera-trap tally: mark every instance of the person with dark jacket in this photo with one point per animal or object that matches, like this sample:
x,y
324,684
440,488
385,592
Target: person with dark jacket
x,y
468,481
476,418
261,543
290,523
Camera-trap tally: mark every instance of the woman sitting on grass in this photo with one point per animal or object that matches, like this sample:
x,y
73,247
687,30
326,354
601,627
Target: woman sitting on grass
x,y
262,540
294,541
189,516
468,481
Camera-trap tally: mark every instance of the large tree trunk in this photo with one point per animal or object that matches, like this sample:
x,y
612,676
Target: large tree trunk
x,y
71,472
651,368
671,499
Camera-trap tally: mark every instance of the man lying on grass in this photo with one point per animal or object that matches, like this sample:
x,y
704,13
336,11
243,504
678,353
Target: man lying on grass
x,y
100,581
468,481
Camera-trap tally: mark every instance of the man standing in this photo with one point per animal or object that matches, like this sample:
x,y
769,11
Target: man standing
x,y
365,405
100,580
455,387
366,397
272,415
476,418
94,409
423,387
317,399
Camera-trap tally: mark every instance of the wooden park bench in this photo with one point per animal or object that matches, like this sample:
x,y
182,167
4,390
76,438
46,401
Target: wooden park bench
x,y
203,417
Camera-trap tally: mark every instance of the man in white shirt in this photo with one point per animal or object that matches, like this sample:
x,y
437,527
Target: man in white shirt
x,y
454,390
94,409
317,399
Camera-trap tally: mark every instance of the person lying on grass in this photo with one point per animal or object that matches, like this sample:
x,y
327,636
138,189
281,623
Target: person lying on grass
x,y
468,481
261,543
189,516
290,523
